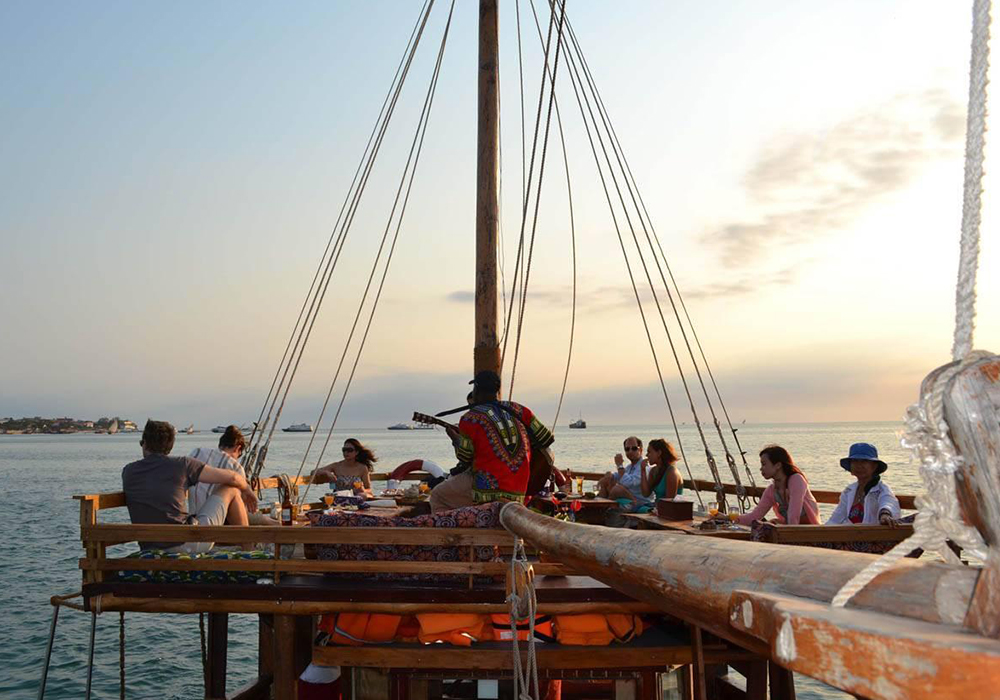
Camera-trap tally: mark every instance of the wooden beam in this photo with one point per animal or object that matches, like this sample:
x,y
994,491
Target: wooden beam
x,y
217,653
285,676
258,689
452,536
486,355
111,602
693,578
807,534
494,656
876,656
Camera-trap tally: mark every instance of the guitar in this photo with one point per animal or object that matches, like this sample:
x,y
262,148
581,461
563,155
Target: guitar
x,y
431,420
540,466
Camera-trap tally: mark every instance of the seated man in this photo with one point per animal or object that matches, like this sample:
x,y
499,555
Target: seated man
x,y
156,490
493,444
625,483
232,444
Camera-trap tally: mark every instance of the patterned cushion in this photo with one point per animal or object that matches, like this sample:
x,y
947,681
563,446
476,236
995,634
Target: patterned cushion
x,y
194,576
486,515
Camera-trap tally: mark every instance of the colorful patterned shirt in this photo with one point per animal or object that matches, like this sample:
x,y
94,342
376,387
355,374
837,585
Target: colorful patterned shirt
x,y
496,440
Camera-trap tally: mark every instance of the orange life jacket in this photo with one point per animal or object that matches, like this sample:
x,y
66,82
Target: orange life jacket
x,y
357,629
460,629
543,628
597,630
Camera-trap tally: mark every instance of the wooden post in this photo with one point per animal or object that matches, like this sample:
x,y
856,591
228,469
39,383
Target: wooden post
x,y
698,667
782,682
285,677
487,349
218,643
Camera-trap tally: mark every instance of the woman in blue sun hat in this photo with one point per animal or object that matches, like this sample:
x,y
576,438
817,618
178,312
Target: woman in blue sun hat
x,y
868,501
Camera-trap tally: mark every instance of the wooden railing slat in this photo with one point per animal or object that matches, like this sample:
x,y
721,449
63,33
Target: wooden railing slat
x,y
312,566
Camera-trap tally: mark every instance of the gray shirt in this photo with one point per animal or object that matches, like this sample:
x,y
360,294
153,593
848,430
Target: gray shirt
x,y
156,491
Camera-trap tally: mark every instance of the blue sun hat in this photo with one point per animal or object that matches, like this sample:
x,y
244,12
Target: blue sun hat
x,y
863,450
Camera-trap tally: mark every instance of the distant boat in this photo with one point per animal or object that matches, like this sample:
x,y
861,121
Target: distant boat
x,y
422,426
189,430
578,424
219,429
298,428
401,426
113,428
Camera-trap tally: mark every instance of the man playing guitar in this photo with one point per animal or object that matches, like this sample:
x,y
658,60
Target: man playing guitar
x,y
494,441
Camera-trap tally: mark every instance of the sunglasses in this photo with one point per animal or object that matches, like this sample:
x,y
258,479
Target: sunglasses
x,y
348,449
632,447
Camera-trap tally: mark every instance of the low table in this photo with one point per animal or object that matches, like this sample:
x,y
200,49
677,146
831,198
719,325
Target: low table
x,y
651,521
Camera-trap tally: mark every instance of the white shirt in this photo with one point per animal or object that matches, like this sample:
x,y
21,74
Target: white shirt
x,y
199,493
878,499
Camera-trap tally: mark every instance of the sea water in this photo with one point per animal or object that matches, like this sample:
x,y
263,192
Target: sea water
x,y
40,473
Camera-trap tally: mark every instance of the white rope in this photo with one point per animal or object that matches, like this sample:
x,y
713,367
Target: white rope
x,y
520,606
939,518
975,138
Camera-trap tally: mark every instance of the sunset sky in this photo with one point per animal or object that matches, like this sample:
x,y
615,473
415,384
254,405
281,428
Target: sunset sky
x,y
172,172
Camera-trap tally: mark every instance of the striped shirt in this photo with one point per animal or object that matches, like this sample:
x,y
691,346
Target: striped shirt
x,y
213,457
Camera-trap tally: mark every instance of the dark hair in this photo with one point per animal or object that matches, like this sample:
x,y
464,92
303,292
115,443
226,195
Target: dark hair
x,y
669,459
158,437
362,454
233,437
664,448
779,455
632,437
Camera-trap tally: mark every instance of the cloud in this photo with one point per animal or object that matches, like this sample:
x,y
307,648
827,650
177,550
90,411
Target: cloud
x,y
612,297
805,186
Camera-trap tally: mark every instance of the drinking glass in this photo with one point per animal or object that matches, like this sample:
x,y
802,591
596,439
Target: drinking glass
x,y
733,517
579,485
328,500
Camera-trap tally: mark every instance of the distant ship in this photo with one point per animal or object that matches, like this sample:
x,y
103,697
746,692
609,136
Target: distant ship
x,y
219,429
113,428
579,424
189,430
298,428
401,426
422,426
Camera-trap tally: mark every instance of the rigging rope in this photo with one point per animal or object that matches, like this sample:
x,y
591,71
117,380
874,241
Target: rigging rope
x,y
523,604
261,424
317,301
538,193
619,157
416,149
572,230
581,99
525,201
939,516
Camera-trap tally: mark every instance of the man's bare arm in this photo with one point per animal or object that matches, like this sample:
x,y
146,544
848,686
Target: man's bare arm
x,y
227,477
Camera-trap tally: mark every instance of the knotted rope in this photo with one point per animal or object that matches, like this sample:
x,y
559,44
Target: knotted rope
x,y
940,517
522,603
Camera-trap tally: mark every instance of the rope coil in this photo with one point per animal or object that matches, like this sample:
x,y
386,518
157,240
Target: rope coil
x,y
523,603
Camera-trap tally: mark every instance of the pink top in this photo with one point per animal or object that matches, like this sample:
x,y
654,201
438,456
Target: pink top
x,y
801,507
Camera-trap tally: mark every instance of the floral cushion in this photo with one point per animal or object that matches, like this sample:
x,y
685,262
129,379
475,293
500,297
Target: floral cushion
x,y
138,576
486,515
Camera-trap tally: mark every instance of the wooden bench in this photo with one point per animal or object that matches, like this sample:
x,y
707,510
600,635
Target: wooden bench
x,y
871,539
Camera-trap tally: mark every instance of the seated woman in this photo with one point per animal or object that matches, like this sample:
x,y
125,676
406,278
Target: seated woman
x,y
664,481
788,493
355,468
868,501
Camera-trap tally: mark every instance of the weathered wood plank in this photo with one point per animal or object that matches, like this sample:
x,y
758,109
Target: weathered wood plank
x,y
805,534
319,607
312,566
869,654
497,656
116,534
217,653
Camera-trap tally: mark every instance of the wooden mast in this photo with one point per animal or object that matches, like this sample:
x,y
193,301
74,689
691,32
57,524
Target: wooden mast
x,y
487,348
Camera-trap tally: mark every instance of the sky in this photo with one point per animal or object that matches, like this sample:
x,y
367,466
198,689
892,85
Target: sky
x,y
172,173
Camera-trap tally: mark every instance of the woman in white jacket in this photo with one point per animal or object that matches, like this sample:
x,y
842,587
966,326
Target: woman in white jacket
x,y
868,501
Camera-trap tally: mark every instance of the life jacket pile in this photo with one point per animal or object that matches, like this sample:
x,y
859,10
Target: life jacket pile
x,y
462,629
